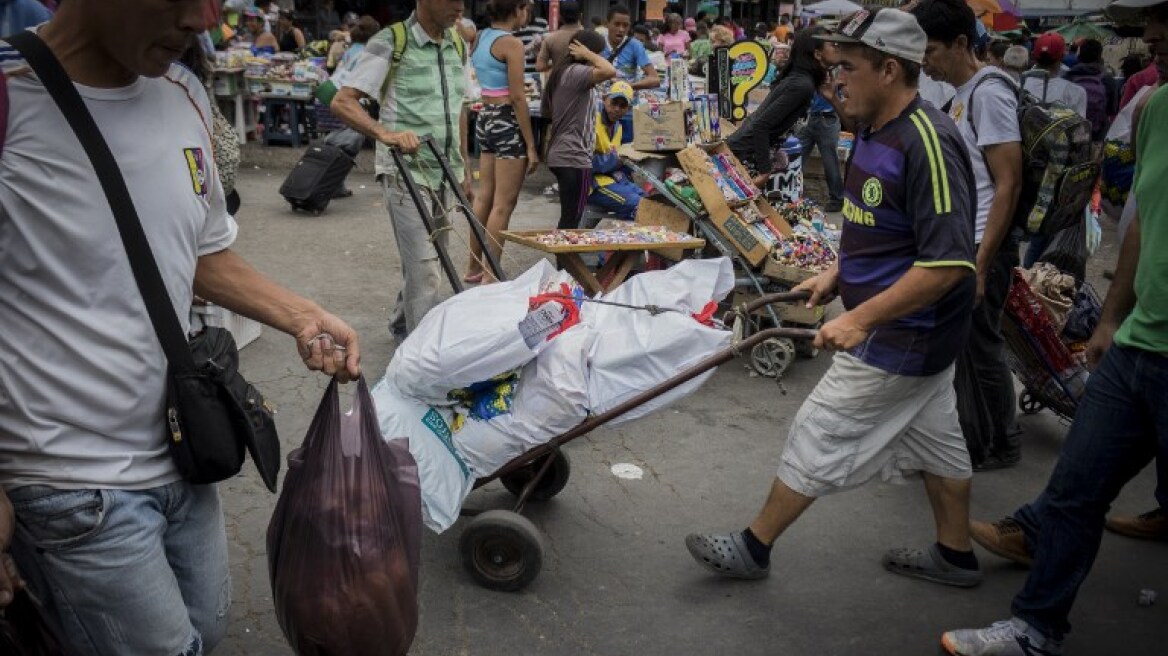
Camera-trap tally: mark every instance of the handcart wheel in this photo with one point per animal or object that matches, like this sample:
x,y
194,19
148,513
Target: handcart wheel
x,y
1030,404
552,483
502,550
772,357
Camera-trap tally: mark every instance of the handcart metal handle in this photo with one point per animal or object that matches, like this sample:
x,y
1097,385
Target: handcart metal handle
x,y
423,206
715,360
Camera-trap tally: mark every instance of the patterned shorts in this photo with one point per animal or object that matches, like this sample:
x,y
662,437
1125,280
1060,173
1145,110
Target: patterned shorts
x,y
497,132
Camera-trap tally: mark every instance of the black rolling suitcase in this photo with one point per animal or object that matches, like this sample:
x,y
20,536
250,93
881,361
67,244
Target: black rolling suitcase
x,y
316,178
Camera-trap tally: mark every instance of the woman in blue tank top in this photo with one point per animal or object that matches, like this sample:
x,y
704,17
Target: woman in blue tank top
x,y
503,128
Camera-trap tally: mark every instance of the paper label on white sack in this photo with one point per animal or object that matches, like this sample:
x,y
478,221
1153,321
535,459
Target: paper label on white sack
x,y
541,322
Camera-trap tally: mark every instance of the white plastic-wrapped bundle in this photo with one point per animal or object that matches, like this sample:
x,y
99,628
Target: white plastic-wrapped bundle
x,y
470,337
636,350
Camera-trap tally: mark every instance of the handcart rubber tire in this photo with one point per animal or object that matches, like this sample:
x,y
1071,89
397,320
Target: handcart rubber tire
x,y
552,483
1030,404
502,550
772,357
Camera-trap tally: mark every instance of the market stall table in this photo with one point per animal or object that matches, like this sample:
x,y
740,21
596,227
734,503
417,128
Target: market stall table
x,y
622,256
229,85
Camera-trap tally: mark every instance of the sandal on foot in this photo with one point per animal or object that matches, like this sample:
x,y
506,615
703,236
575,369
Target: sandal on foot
x,y
929,565
473,278
726,555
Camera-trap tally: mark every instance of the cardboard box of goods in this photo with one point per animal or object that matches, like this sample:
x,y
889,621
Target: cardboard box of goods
x,y
653,213
786,273
788,312
747,238
659,126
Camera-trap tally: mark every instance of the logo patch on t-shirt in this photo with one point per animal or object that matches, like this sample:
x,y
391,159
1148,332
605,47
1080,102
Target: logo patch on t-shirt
x,y
198,168
873,192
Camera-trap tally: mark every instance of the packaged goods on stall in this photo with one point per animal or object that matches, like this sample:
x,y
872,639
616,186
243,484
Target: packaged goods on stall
x,y
659,126
634,234
653,213
748,222
612,354
679,185
707,128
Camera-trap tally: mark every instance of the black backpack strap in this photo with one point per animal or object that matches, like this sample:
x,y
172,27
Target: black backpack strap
x,y
1014,86
619,49
142,263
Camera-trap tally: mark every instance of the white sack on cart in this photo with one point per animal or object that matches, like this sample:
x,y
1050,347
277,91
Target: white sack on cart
x,y
469,337
444,476
635,350
550,398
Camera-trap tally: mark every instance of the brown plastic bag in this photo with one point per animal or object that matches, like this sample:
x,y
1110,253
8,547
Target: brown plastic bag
x,y
344,541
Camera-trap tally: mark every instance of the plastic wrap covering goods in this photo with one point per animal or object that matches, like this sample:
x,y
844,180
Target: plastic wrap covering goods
x,y
612,354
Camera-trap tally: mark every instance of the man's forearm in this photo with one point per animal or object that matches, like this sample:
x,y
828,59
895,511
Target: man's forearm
x,y
1121,297
349,109
917,288
226,279
999,222
649,81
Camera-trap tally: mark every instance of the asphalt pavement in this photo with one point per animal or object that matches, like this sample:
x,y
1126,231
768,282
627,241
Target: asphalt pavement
x,y
616,577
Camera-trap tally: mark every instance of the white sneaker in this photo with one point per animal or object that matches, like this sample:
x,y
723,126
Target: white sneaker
x,y
1011,637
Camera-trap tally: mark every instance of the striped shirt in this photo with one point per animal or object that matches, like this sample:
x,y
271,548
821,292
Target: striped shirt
x,y
909,201
425,96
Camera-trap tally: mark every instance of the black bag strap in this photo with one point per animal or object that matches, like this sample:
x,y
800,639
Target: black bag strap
x,y
619,49
142,262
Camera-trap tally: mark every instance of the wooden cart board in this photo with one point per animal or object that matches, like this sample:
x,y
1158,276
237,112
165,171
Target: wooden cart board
x,y
531,238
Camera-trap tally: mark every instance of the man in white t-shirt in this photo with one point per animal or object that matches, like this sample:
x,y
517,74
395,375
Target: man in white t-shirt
x,y
127,556
1045,81
985,110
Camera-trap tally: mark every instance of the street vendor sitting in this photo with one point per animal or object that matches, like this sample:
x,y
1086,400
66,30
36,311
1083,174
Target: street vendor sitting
x,y
612,189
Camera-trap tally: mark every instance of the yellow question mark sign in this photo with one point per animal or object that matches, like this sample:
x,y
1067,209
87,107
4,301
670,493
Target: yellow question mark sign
x,y
748,66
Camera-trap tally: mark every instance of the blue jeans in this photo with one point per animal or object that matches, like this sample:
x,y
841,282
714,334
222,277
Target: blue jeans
x,y
823,130
620,198
127,571
1121,425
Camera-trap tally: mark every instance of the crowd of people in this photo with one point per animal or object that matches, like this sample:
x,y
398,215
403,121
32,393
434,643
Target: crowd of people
x,y
919,385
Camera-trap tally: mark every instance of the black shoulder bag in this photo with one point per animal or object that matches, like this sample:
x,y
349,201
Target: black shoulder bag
x,y
212,413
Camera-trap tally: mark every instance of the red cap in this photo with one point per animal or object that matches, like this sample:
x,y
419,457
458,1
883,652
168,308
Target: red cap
x,y
1049,47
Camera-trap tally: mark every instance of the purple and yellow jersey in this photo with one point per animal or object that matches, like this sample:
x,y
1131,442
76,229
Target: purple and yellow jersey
x,y
909,202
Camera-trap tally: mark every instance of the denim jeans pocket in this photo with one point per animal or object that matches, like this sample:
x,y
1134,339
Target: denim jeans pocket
x,y
55,520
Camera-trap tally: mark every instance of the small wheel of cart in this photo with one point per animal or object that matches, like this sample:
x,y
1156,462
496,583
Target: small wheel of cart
x,y
772,357
502,550
552,483
1030,404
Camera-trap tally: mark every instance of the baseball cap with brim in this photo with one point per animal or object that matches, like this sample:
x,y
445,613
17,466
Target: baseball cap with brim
x,y
890,31
621,90
1131,11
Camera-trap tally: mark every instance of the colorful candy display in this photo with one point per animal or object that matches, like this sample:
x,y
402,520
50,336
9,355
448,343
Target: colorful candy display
x,y
805,249
630,235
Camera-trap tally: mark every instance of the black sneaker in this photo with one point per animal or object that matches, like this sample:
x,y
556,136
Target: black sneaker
x,y
999,461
